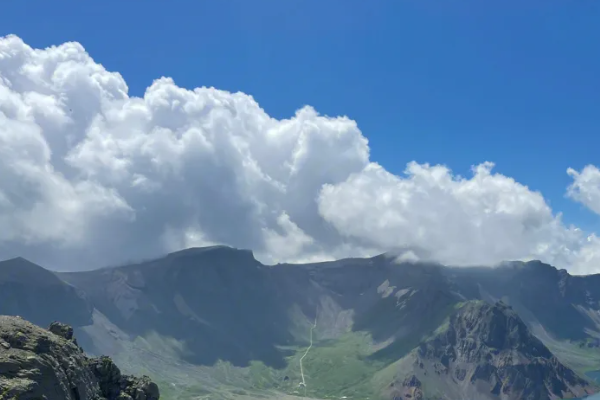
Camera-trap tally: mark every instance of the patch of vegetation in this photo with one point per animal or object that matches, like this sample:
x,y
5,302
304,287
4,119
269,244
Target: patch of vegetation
x,y
192,391
340,367
262,376
332,369
581,360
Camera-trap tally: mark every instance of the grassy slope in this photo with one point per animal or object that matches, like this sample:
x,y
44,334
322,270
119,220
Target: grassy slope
x,y
582,360
332,369
348,366
338,368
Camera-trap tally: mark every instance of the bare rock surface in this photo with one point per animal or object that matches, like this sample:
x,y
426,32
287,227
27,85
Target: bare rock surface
x,y
486,351
40,364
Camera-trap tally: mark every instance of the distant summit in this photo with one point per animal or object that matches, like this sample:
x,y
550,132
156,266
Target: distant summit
x,y
213,251
20,270
31,291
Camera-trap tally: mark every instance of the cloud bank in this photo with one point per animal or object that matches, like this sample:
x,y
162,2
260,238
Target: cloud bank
x,y
90,176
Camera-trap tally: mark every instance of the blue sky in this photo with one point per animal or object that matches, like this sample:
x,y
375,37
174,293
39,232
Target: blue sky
x,y
456,83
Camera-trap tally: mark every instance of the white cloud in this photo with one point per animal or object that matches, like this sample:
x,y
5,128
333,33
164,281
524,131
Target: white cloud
x,y
480,220
91,176
290,243
586,187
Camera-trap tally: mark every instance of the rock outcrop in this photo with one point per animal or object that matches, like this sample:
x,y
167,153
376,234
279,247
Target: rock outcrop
x,y
39,364
411,388
115,386
486,351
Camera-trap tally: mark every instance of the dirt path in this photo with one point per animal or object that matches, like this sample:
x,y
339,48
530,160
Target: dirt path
x,y
307,350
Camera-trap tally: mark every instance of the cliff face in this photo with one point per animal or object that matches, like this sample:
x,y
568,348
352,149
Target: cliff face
x,y
48,364
487,351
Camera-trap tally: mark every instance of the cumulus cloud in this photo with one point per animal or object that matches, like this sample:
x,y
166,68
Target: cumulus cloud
x,y
586,187
91,176
476,221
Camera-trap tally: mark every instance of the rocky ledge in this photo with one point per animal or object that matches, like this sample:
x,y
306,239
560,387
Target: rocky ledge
x,y
40,364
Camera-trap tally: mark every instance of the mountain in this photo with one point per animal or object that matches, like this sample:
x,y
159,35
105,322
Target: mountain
x,y
48,364
216,321
29,290
548,295
560,309
486,352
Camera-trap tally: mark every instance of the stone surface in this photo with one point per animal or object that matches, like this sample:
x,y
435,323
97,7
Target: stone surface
x,y
411,389
489,349
39,364
115,386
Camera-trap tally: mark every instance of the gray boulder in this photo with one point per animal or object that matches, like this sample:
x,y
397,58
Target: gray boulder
x,y
116,386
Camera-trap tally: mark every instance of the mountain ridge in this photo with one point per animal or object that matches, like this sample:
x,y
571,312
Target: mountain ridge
x,y
218,307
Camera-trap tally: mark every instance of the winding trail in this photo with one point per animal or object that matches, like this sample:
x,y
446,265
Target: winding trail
x,y
308,349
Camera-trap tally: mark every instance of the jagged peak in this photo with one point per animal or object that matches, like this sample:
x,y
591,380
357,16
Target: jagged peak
x,y
490,344
496,325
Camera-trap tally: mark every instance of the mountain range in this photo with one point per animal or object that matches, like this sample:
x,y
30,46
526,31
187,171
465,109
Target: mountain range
x,y
214,323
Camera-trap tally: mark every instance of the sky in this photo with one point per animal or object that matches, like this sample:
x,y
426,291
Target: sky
x,y
462,132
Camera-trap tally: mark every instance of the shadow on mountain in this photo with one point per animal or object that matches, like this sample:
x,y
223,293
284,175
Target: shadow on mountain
x,y
37,294
396,303
221,302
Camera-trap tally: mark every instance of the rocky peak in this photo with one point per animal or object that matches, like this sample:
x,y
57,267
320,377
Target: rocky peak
x,y
488,344
496,327
47,364
115,386
63,330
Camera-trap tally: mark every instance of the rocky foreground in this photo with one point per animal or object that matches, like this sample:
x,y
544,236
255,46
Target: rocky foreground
x,y
38,364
